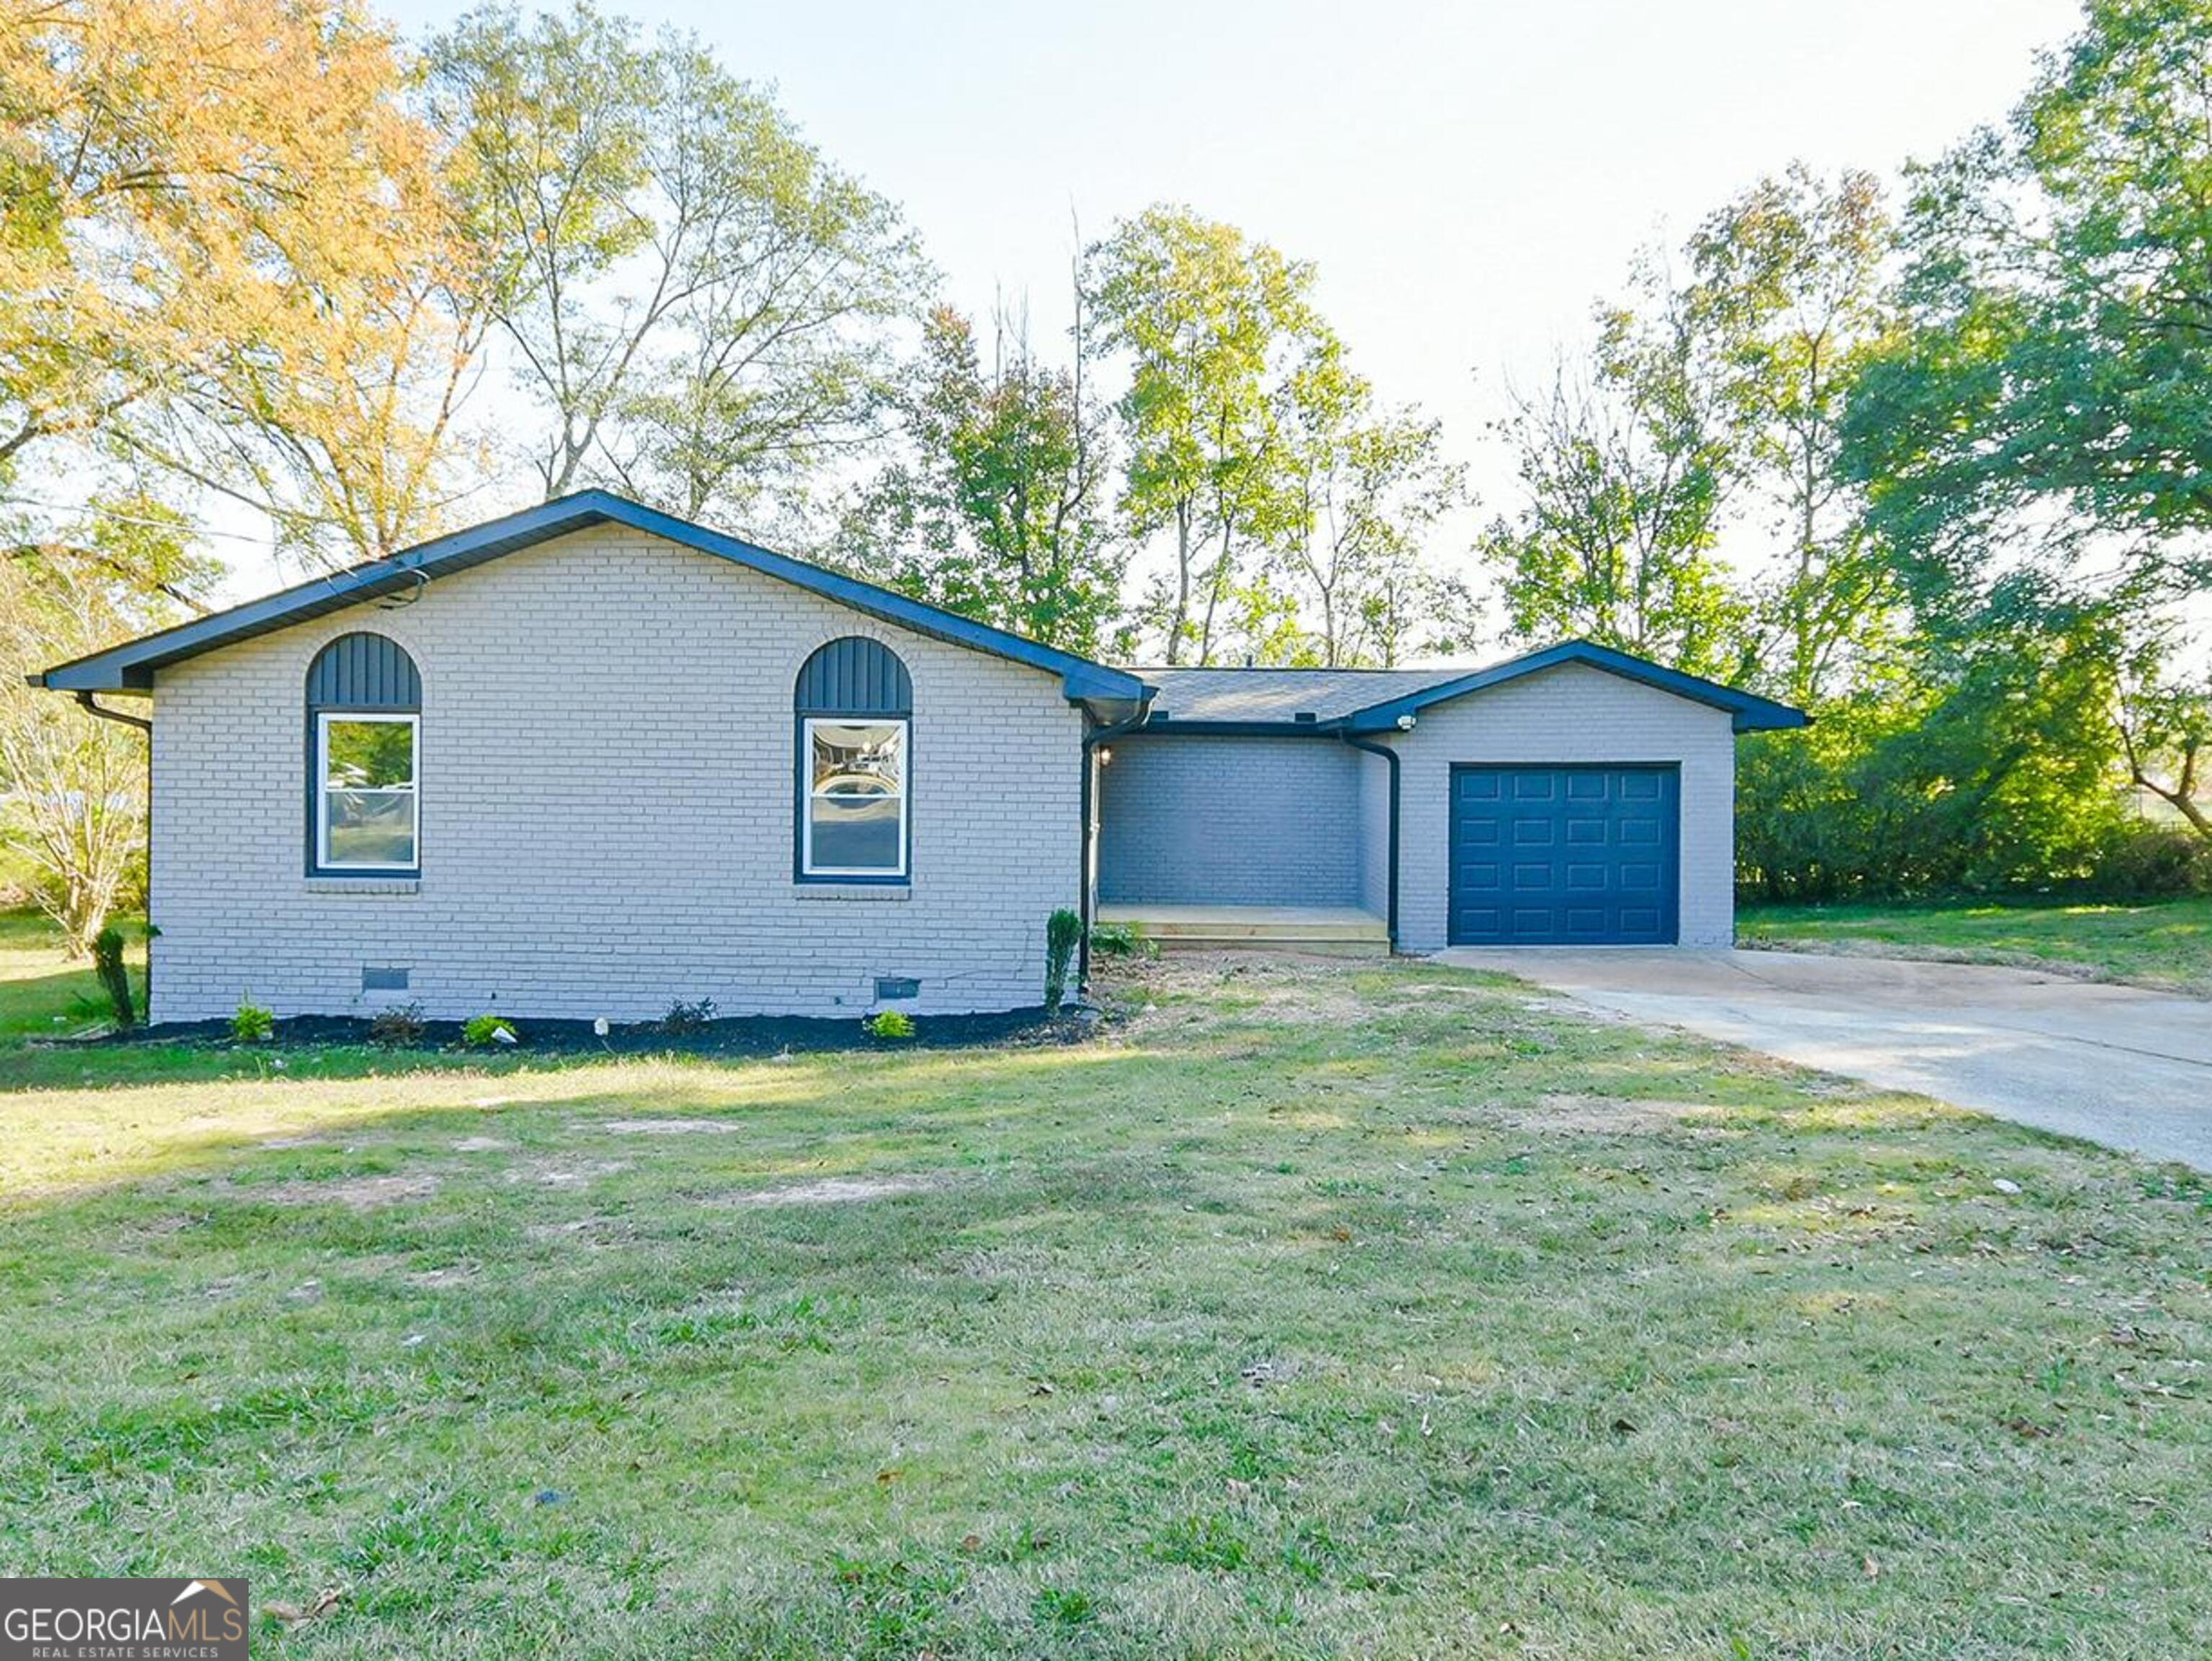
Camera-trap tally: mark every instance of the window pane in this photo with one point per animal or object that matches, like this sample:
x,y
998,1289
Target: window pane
x,y
855,833
370,827
367,754
857,758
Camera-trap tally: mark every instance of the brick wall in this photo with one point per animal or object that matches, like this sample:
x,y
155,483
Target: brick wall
x,y
1201,820
1570,714
607,772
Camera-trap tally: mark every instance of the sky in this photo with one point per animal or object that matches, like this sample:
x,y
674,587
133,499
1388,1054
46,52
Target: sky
x,y
1466,179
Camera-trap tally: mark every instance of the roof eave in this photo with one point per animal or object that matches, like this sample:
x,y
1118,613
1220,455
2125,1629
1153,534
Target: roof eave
x,y
1748,711
130,668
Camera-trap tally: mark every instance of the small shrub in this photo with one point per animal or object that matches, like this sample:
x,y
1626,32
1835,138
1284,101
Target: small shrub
x,y
253,1024
1061,931
400,1024
2155,862
684,1017
1122,940
889,1024
482,1032
115,978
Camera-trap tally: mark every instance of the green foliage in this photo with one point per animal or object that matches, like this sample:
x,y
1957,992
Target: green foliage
x,y
115,978
999,510
1063,932
1363,487
488,1032
1622,462
401,1024
1993,772
2154,861
888,1024
682,1016
2045,402
1787,281
1208,324
251,1023
702,301
1122,940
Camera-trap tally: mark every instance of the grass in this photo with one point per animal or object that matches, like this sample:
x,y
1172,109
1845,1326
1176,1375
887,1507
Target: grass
x,y
1320,1308
2166,944
44,993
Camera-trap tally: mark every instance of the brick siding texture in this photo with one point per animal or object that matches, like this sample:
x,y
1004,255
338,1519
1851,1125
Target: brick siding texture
x,y
1570,714
608,774
1230,821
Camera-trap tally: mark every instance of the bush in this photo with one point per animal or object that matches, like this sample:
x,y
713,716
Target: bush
x,y
684,1017
889,1024
1061,931
1122,940
2155,862
115,978
482,1032
253,1024
400,1023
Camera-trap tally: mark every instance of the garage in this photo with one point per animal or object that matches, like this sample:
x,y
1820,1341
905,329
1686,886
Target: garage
x,y
1584,854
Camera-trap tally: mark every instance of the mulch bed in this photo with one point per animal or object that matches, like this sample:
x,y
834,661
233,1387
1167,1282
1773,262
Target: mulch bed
x,y
737,1035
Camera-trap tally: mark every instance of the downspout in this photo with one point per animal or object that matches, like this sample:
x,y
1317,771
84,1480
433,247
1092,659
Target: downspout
x,y
85,700
1092,739
1391,755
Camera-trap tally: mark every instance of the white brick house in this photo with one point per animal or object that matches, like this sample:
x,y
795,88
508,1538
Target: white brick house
x,y
588,759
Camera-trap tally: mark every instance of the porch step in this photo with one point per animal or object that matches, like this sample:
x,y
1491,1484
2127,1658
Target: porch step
x,y
1335,930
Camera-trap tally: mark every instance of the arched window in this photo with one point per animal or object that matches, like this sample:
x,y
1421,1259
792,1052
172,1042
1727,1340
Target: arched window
x,y
364,749
855,713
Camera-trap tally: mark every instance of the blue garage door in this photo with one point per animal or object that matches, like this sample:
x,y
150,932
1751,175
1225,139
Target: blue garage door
x,y
1565,856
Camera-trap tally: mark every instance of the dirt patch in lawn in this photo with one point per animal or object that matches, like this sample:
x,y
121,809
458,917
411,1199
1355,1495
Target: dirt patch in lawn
x,y
670,1127
556,1173
830,1190
361,1193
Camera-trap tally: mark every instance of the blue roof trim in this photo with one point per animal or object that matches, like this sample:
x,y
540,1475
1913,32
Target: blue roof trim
x,y
1752,714
130,668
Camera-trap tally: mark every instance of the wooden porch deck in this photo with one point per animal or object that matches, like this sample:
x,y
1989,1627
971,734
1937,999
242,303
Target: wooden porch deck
x,y
1336,930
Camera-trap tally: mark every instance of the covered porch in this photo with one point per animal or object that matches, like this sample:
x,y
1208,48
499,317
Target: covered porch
x,y
1216,840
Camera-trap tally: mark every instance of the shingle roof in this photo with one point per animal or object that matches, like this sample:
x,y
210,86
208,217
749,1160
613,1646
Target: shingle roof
x,y
130,668
1280,695
1375,700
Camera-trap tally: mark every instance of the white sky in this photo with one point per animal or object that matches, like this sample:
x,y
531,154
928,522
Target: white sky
x,y
1467,178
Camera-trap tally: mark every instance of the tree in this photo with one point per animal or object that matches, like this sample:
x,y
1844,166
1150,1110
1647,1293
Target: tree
x,y
76,800
1788,280
2164,727
997,510
2044,403
694,296
1364,488
1209,324
1623,463
226,249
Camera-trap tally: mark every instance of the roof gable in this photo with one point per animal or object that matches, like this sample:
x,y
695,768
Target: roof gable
x,y
1750,712
130,666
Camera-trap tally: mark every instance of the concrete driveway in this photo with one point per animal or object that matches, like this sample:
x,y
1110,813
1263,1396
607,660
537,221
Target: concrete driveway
x,y
2129,1068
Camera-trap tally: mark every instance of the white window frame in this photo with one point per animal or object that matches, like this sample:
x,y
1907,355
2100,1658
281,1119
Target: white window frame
x,y
413,722
807,867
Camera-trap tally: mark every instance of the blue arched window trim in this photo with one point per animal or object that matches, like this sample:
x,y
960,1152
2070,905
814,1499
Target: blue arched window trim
x,y
852,736
364,808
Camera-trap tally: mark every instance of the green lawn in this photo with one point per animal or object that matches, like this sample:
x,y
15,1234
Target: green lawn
x,y
2169,944
1320,1310
43,993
